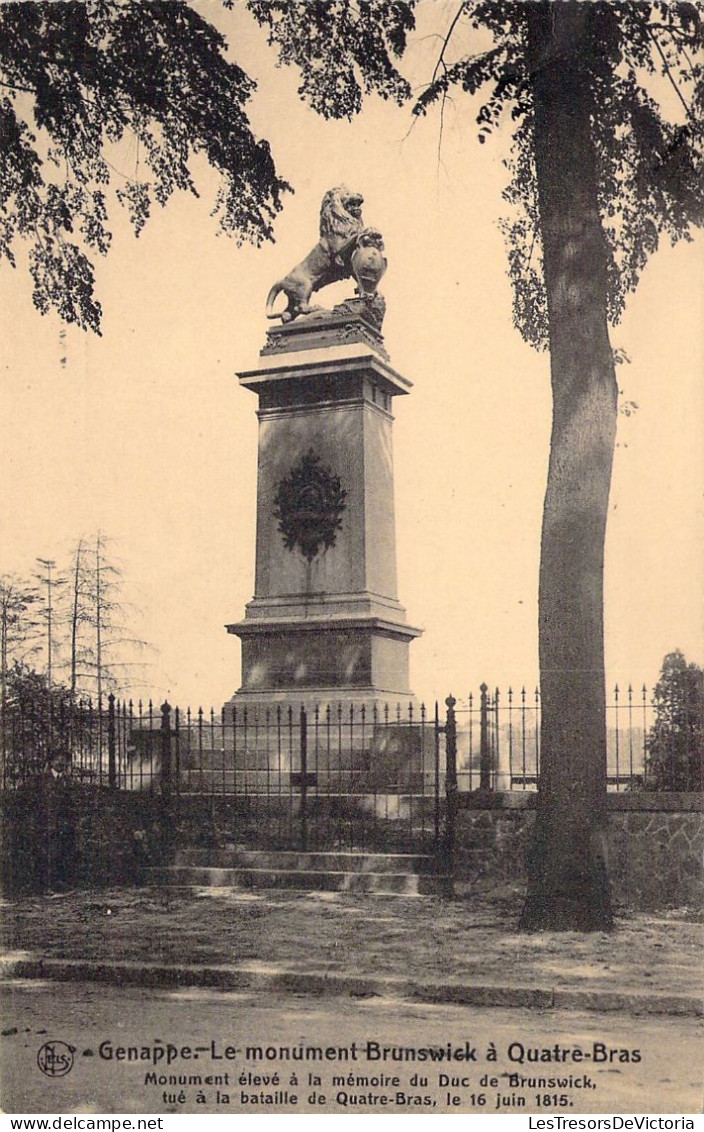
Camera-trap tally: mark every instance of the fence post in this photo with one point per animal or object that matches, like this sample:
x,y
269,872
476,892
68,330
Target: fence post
x,y
166,749
450,793
484,744
304,779
112,764
436,791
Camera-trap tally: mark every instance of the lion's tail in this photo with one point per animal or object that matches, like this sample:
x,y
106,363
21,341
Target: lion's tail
x,y
271,297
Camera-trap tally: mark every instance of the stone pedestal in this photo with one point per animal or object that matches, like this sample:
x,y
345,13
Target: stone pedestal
x,y
325,624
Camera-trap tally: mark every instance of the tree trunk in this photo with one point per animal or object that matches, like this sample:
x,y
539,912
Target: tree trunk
x,y
76,616
568,882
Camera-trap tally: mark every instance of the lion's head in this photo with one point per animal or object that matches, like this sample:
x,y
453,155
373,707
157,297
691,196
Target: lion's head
x,y
341,213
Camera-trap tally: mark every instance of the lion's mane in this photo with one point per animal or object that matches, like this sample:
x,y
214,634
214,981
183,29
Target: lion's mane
x,y
336,223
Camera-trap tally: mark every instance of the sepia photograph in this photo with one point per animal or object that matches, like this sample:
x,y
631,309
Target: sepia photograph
x,y
352,560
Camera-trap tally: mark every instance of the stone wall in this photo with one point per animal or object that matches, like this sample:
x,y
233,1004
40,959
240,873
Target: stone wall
x,y
57,837
656,855
656,846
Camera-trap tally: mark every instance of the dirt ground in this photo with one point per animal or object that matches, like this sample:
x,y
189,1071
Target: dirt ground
x,y
424,939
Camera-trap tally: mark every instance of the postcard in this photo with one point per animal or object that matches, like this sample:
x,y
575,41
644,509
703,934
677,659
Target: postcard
x,y
312,801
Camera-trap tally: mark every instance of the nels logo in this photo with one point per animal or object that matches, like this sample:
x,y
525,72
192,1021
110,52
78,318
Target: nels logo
x,y
55,1059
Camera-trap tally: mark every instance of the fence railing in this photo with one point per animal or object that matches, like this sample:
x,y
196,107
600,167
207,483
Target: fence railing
x,y
290,776
135,746
498,737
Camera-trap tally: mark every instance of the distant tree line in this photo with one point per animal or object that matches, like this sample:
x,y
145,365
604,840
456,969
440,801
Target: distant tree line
x,y
69,624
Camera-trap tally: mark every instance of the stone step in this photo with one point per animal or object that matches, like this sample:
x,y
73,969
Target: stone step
x,y
384,805
400,884
256,782
234,857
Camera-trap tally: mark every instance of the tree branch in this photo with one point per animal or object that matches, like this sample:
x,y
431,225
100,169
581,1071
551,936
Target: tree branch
x,y
668,72
441,63
22,89
446,42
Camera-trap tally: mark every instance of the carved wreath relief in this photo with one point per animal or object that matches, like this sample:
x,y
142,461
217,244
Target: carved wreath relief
x,y
309,504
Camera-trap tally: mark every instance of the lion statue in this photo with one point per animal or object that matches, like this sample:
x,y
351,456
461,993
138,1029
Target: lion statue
x,y
329,261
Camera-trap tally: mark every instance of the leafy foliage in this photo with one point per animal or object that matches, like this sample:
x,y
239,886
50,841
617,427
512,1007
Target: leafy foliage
x,y
606,98
343,49
38,726
675,744
650,152
650,165
18,623
82,79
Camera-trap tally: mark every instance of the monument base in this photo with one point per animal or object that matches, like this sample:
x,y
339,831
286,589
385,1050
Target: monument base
x,y
343,682
358,659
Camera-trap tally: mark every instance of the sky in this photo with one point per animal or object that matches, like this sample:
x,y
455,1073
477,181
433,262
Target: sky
x,y
145,434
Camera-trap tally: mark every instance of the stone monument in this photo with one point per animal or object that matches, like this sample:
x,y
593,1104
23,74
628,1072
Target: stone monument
x,y
325,624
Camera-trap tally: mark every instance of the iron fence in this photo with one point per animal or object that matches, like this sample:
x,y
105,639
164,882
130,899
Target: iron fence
x,y
498,737
326,776
54,740
339,749
337,776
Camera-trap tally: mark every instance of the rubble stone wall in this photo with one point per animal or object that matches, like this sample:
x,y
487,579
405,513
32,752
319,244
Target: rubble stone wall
x,y
656,846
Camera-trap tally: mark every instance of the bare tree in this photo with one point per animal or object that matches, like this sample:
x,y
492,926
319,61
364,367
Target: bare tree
x,y
102,650
49,582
